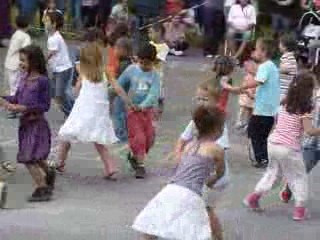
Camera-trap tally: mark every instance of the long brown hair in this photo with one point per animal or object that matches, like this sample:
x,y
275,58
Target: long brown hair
x,y
299,99
91,62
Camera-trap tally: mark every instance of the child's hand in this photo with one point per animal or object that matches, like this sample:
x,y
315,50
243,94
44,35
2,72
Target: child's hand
x,y
135,108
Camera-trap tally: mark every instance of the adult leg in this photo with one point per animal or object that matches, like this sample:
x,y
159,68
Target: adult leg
x,y
42,7
208,31
63,151
109,166
219,27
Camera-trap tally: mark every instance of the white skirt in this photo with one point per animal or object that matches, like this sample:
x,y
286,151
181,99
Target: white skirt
x,y
89,123
175,213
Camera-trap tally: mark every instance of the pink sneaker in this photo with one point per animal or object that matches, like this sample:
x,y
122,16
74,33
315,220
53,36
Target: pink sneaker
x,y
299,213
285,195
252,201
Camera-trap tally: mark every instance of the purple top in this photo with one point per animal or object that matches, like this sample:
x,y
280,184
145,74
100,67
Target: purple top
x,y
35,95
193,171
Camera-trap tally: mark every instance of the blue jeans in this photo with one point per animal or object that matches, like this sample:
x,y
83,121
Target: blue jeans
x,y
62,86
120,119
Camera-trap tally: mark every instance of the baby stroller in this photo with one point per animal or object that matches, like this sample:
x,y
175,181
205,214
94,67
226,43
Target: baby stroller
x,y
309,36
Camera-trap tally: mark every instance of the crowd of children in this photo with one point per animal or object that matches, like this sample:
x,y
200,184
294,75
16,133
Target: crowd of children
x,y
118,97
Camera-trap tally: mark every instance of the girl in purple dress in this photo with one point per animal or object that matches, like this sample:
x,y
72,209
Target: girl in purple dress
x,y
31,101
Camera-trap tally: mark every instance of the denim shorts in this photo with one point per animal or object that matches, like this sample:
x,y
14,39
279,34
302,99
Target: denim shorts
x,y
60,82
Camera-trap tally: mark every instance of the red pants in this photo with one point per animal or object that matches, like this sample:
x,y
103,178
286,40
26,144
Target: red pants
x,y
141,132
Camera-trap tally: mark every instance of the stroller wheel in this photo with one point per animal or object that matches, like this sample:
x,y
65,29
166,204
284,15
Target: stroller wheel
x,y
3,194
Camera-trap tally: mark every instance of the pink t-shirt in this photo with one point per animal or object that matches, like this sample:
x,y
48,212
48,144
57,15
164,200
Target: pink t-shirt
x,y
289,129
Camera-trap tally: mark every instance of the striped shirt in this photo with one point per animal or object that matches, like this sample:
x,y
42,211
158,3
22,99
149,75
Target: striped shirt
x,y
288,70
289,130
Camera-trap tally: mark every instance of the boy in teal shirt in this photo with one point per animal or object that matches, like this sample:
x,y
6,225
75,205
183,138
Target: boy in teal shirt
x,y
143,83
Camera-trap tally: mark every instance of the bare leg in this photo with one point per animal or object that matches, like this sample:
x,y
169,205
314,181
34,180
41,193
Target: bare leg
x,y
109,166
44,165
215,225
148,237
64,149
37,175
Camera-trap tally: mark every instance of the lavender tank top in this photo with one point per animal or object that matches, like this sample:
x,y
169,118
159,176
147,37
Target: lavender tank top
x,y
193,171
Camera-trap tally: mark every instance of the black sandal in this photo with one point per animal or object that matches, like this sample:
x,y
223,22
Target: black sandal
x,y
42,194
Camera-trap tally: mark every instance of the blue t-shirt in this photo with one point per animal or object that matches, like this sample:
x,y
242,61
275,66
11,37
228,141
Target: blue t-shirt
x,y
268,92
144,87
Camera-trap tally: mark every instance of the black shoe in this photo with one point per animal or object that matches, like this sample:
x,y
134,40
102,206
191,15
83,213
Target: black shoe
x,y
261,164
140,173
40,195
133,162
51,178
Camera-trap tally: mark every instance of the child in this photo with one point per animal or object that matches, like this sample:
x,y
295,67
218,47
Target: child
x,y
112,65
120,11
288,63
178,211
144,91
32,100
51,8
246,101
267,101
311,146
123,52
294,119
59,63
19,39
89,120
207,95
223,68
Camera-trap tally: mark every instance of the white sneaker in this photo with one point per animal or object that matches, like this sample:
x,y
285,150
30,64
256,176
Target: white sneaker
x,y
176,53
209,56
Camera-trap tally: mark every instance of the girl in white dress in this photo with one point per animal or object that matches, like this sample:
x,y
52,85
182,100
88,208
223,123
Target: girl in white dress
x,y
89,120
